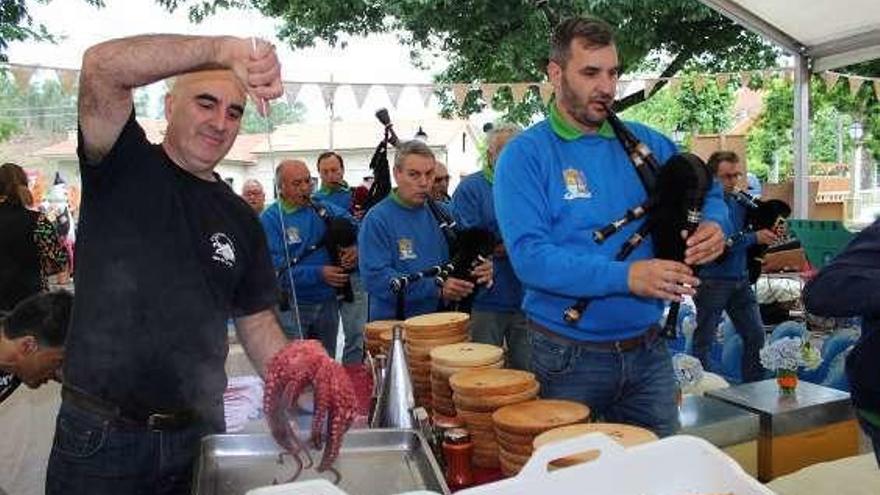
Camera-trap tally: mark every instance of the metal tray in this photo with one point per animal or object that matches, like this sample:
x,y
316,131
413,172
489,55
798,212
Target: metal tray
x,y
371,462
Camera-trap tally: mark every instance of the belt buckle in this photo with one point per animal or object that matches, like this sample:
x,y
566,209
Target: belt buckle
x,y
159,421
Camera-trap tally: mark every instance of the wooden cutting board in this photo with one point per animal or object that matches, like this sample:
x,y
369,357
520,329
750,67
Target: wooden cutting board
x,y
484,382
489,403
425,323
538,416
466,355
447,371
625,435
374,328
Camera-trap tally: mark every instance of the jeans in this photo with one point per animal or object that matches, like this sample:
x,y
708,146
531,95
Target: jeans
x,y
501,328
319,321
93,455
354,317
635,387
737,298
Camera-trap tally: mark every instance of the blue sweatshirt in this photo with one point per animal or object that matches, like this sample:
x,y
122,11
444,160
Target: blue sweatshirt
x,y
394,240
473,206
850,286
554,186
340,197
304,229
733,265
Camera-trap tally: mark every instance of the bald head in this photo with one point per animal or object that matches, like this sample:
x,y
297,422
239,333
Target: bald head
x,y
440,188
294,182
203,111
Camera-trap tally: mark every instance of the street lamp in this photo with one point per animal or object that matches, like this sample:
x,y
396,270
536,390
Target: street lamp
x,y
421,135
856,131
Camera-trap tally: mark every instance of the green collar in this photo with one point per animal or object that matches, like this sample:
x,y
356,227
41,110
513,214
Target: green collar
x,y
397,199
286,207
326,190
870,416
568,131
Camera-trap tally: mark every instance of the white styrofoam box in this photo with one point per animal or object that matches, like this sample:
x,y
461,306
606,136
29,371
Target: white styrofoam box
x,y
678,465
311,487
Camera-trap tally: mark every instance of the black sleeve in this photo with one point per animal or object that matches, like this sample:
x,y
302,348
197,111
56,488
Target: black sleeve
x,y
850,284
258,288
8,384
132,142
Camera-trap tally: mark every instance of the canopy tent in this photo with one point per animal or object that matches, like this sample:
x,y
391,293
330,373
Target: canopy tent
x,y
820,35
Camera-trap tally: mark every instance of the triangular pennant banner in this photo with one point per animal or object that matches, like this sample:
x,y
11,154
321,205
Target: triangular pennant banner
x,y
394,91
489,91
22,77
830,79
425,91
546,92
769,74
855,84
674,84
459,93
328,93
699,82
722,80
291,91
745,78
788,75
518,91
68,79
360,93
877,89
649,86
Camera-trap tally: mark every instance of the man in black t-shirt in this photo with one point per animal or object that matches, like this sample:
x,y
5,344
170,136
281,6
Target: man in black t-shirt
x,y
157,281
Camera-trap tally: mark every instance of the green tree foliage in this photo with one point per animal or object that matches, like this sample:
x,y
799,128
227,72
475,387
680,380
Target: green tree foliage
x,y
507,41
279,113
16,24
43,106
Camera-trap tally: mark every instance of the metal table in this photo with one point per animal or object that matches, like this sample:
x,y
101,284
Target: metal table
x,y
815,424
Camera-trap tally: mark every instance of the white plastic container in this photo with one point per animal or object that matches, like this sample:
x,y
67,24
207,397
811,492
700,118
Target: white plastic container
x,y
678,465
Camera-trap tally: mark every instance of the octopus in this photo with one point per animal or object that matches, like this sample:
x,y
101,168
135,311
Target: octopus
x,y
295,367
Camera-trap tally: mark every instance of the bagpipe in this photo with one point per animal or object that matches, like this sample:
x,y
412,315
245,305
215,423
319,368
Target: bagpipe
x,y
770,214
339,233
675,195
467,247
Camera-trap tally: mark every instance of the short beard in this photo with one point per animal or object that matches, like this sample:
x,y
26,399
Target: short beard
x,y
568,100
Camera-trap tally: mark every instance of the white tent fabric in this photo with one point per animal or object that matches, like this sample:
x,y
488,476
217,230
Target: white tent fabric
x,y
821,35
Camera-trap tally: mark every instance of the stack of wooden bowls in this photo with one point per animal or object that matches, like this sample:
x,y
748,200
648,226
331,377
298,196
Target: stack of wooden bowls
x,y
625,435
373,341
448,360
423,334
517,426
477,394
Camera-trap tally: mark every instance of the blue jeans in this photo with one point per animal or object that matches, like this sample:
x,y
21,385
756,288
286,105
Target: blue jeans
x,y
93,455
354,317
319,321
502,328
634,387
737,298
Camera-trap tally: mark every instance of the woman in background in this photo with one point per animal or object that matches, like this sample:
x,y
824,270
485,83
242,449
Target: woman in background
x,y
30,250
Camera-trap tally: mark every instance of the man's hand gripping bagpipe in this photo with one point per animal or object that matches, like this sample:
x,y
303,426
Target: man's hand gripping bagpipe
x,y
672,216
770,216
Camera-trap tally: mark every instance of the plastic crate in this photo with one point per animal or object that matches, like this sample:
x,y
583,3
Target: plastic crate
x,y
821,239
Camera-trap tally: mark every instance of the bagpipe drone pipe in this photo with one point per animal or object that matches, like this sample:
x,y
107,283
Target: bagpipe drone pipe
x,y
339,233
770,214
675,195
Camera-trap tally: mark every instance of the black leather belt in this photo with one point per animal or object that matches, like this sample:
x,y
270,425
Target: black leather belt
x,y
624,345
158,421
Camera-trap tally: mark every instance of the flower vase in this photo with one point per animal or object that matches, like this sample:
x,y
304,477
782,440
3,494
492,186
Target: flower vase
x,y
787,381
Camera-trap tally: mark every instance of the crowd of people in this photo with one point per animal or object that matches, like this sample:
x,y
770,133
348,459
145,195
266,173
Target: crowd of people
x,y
144,348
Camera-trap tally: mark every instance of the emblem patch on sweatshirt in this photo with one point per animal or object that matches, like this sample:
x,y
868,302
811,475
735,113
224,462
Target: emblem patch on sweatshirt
x,y
405,249
575,184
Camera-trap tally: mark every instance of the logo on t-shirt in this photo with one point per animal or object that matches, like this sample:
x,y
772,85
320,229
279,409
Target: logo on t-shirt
x,y
405,249
575,184
224,250
293,235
